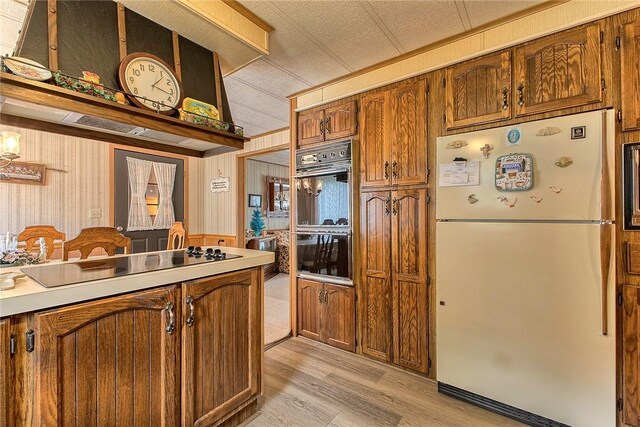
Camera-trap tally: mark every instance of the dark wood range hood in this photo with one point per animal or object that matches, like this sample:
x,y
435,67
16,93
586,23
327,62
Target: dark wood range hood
x,y
42,106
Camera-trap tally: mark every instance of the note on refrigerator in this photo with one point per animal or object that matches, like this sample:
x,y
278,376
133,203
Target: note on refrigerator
x,y
459,174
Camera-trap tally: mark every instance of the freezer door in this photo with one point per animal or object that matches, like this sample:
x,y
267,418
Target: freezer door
x,y
519,318
559,193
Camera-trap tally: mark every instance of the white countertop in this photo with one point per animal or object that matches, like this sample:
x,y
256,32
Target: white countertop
x,y
29,295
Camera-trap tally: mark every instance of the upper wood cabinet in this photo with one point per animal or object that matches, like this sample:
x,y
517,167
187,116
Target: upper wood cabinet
x,y
6,383
375,145
327,123
394,277
479,91
557,72
408,134
393,136
630,361
630,75
222,345
112,361
326,313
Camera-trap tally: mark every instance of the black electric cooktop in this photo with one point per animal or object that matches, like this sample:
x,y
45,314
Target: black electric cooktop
x,y
68,273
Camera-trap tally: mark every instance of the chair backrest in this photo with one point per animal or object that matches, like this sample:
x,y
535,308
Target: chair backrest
x,y
107,238
177,235
31,234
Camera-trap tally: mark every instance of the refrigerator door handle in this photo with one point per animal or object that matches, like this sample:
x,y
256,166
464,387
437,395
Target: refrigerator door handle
x,y
605,227
605,265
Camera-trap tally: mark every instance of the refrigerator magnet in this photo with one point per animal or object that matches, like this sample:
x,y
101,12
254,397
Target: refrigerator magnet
x,y
513,136
514,172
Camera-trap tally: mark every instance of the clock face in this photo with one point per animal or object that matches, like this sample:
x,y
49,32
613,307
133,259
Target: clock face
x,y
152,82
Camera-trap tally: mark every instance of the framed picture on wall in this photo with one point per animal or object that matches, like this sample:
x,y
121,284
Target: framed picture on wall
x,y
255,200
24,173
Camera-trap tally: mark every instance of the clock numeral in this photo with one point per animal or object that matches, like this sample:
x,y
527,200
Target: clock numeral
x,y
161,74
152,68
136,72
168,82
131,79
135,90
169,99
170,91
141,67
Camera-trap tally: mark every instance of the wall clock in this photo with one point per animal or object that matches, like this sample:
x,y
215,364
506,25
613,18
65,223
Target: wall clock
x,y
150,82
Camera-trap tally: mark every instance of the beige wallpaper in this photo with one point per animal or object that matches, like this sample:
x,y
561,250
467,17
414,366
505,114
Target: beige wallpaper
x,y
67,197
220,208
256,183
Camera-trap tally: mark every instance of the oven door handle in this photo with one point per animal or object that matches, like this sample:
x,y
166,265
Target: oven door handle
x,y
322,171
323,232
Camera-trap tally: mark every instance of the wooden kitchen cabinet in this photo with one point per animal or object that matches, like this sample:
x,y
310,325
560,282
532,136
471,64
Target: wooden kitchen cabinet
x,y
557,72
326,313
327,123
111,361
6,378
375,236
393,136
222,345
375,140
479,91
394,277
630,359
630,75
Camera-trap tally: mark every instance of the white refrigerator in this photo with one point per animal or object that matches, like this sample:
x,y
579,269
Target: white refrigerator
x,y
524,268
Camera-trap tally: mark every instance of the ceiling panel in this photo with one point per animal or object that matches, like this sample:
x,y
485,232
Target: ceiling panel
x,y
418,23
250,96
253,121
343,28
271,78
483,11
12,14
277,158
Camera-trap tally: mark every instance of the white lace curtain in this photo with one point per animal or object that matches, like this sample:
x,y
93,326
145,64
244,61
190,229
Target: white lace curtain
x,y
139,172
165,175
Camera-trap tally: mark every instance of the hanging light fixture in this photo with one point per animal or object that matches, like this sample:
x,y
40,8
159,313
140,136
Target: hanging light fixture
x,y
10,147
309,188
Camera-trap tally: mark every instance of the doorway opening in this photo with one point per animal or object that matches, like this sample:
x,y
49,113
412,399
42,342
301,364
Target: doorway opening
x,y
264,224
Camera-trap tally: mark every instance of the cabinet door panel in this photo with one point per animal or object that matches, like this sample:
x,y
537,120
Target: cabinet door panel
x,y
222,348
340,121
630,358
309,309
479,91
409,293
408,133
6,383
561,71
375,238
85,350
375,149
338,317
630,69
310,127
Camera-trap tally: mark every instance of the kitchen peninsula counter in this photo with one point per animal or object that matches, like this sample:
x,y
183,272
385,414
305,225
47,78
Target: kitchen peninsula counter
x,y
181,346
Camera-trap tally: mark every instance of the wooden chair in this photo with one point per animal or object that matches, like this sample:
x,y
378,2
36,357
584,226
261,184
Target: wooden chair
x,y
107,238
177,235
31,234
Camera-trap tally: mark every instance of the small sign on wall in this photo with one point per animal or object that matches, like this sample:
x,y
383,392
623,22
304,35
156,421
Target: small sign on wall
x,y
220,184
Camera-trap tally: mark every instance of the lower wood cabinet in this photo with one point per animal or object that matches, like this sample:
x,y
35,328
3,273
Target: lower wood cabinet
x,y
112,361
326,313
630,359
222,345
395,301
6,382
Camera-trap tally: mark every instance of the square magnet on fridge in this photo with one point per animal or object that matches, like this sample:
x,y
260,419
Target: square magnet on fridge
x,y
579,132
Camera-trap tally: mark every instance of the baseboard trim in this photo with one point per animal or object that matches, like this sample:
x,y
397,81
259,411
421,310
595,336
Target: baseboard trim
x,y
498,407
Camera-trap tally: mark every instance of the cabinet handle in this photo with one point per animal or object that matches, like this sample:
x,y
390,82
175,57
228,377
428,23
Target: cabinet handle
x,y
394,169
192,310
386,170
505,102
327,125
172,318
521,94
320,296
326,297
395,206
387,206
321,126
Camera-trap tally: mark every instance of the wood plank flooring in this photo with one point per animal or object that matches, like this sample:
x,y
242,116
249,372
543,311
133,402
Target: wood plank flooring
x,y
311,384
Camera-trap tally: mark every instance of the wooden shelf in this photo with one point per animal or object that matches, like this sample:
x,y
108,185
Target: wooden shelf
x,y
48,95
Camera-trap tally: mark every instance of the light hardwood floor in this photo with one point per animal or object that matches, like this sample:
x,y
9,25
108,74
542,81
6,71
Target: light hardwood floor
x,y
311,384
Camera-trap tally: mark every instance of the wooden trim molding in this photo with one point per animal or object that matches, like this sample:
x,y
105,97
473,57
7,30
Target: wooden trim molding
x,y
175,37
293,252
216,71
271,132
249,15
122,32
52,23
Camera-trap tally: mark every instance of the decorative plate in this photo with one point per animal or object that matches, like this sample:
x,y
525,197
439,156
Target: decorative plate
x,y
27,68
200,108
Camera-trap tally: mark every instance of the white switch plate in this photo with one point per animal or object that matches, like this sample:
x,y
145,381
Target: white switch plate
x,y
95,213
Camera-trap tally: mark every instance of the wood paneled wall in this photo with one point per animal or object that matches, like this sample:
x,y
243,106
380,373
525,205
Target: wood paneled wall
x,y
256,183
65,200
220,208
